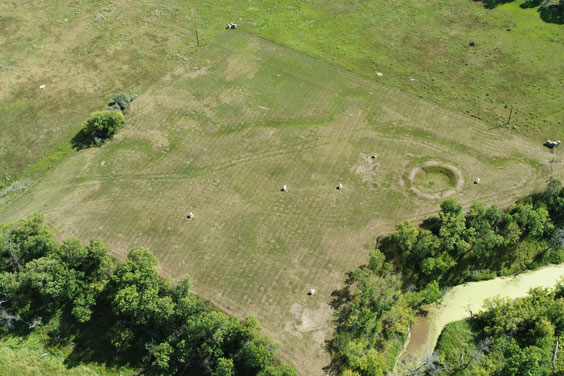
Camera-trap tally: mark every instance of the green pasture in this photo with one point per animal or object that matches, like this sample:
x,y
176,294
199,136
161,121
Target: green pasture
x,y
423,47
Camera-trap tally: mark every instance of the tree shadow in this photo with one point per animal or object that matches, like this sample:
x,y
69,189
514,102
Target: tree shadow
x,y
491,4
531,4
90,343
82,140
553,13
340,300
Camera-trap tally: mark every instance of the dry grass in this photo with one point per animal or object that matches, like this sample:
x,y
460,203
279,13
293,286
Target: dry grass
x,y
84,53
220,136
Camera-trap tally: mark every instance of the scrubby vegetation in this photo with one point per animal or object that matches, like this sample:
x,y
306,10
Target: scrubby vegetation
x,y
120,102
103,125
378,303
374,316
120,313
519,337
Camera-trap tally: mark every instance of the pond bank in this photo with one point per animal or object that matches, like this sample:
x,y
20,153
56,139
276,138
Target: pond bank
x,y
464,300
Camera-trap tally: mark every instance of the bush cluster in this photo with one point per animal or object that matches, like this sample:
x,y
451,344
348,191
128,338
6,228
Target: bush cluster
x,y
102,125
120,102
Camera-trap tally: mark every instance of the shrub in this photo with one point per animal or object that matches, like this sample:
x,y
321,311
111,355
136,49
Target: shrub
x,y
120,102
100,126
103,124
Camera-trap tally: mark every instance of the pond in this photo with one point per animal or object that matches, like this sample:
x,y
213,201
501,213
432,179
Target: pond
x,y
463,300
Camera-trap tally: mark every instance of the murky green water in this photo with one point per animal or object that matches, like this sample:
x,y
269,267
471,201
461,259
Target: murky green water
x,y
463,299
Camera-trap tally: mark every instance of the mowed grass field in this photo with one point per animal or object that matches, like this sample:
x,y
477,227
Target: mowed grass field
x,y
222,134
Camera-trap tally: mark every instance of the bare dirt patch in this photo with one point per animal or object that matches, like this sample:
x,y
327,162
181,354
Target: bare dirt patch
x,y
307,320
366,167
241,65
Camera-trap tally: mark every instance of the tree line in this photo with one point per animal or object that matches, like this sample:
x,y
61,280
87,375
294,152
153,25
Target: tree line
x,y
455,247
121,312
416,263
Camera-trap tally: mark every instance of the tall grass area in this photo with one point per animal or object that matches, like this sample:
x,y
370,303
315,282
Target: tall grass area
x,y
22,356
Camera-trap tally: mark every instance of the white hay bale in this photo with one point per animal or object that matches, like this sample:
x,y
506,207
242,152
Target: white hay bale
x,y
42,87
380,74
340,186
190,215
477,181
311,292
284,188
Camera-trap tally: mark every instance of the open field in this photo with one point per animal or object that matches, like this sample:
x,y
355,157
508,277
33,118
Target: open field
x,y
84,52
223,133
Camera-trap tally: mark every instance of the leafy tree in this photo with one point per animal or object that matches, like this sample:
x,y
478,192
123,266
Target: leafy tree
x,y
136,290
225,367
280,370
406,237
103,124
159,356
258,355
431,293
100,126
26,240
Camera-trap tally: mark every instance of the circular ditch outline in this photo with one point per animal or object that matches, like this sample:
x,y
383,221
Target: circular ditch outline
x,y
459,181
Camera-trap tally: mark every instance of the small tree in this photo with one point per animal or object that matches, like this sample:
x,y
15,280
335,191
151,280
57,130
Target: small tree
x,y
103,124
100,126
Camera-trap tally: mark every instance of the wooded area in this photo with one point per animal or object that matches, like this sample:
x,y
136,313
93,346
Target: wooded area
x,y
121,313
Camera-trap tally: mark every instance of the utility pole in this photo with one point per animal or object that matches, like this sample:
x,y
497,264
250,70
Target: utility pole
x,y
510,113
198,44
